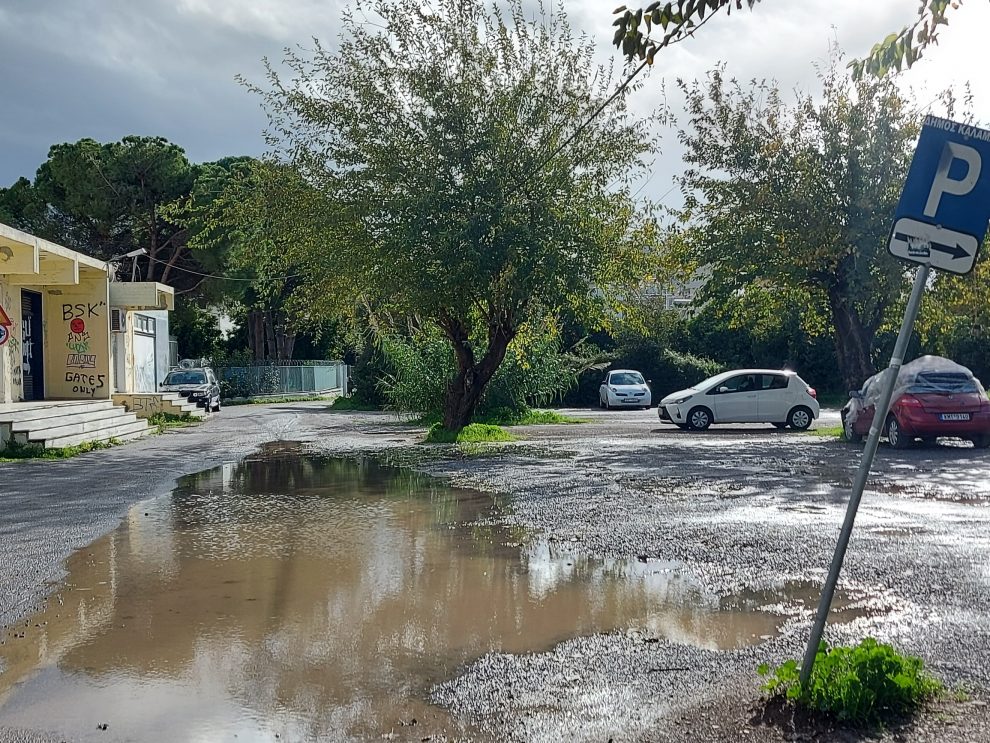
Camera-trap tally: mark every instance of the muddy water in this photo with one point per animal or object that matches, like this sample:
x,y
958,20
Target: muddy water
x,y
308,598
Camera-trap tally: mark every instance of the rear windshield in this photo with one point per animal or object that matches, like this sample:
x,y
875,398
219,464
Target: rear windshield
x,y
942,382
626,378
185,377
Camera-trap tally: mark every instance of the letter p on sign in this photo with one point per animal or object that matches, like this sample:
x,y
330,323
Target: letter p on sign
x,y
943,184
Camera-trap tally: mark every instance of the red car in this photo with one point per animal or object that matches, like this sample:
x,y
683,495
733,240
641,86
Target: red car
x,y
933,397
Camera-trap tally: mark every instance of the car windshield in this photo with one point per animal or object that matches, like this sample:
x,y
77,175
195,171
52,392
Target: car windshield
x,y
624,378
942,383
186,377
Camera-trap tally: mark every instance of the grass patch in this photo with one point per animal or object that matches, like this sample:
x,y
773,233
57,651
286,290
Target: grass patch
x,y
165,421
507,417
14,451
475,433
278,400
830,431
352,403
870,683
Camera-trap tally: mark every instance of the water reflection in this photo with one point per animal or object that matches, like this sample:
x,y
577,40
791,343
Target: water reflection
x,y
317,598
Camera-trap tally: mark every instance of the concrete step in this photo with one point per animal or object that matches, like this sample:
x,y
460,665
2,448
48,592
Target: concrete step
x,y
69,417
37,412
70,426
125,432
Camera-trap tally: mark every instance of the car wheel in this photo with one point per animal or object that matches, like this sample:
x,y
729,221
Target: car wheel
x,y
216,408
699,419
895,436
982,441
848,432
800,418
607,405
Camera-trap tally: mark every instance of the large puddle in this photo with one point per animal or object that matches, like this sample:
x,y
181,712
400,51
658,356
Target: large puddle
x,y
301,598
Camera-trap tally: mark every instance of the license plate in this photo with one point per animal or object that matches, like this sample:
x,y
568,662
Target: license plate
x,y
954,416
631,399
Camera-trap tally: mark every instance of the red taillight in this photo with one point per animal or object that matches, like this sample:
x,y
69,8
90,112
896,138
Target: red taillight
x,y
811,391
909,402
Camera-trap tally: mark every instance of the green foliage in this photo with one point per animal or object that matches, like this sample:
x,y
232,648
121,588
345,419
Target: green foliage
x,y
164,421
791,204
276,400
417,370
474,433
643,32
868,683
426,191
352,403
15,451
667,370
830,432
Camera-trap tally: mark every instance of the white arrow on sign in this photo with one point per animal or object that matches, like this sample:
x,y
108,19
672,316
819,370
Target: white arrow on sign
x,y
944,249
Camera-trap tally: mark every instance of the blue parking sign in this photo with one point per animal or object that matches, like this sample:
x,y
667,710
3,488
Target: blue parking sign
x,y
944,209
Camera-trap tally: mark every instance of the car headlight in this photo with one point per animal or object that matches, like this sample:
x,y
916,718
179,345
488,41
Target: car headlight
x,y
681,400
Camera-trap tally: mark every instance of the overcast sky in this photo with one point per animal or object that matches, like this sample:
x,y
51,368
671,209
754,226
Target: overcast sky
x,y
107,68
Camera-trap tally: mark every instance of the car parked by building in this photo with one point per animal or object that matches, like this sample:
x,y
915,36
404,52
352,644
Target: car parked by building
x,y
933,397
624,388
743,396
198,384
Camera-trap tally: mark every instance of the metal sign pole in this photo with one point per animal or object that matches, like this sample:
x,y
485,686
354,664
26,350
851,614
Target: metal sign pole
x,y
879,418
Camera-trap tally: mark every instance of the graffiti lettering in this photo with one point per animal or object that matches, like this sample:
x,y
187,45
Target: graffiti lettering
x,y
81,360
149,404
90,380
16,377
71,311
78,342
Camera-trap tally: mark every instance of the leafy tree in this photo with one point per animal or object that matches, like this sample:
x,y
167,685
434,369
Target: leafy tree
x,y
430,192
105,200
793,202
643,32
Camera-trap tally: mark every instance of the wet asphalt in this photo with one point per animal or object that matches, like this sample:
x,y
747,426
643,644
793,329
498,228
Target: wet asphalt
x,y
742,508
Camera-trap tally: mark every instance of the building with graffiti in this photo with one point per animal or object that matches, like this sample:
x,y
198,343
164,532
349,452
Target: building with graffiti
x,y
70,333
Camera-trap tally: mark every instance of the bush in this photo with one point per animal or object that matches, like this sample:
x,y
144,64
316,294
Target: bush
x,y
417,369
863,684
475,433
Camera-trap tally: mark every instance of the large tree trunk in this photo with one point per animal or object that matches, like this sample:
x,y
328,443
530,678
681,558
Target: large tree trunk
x,y
853,340
466,388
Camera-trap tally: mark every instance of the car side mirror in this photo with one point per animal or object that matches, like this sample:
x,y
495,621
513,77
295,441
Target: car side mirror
x,y
722,390
649,381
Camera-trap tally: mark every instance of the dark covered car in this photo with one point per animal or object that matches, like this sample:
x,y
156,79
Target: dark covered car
x,y
199,385
932,397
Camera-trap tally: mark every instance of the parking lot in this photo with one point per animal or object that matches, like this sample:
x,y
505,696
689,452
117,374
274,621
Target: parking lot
x,y
720,527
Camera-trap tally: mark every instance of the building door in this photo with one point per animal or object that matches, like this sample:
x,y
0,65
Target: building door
x,y
145,376
32,347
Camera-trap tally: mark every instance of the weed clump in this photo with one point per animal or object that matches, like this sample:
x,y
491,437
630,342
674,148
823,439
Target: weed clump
x,y
475,433
865,684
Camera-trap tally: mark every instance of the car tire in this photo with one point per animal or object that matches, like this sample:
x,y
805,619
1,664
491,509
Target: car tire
x,y
895,436
216,408
607,405
699,418
800,418
848,433
982,441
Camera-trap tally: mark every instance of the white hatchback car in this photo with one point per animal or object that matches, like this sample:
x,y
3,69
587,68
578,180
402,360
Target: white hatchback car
x,y
624,388
743,396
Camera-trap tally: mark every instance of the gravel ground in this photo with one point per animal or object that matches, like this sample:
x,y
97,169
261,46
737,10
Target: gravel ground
x,y
746,508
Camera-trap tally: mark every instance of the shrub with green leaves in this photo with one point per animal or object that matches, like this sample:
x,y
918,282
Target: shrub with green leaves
x,y
867,683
